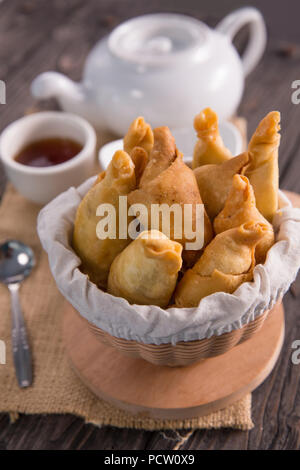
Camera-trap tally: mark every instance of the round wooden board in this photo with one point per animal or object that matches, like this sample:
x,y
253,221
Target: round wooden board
x,y
172,392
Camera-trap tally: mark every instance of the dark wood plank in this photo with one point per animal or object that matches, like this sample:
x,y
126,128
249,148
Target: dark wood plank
x,y
38,35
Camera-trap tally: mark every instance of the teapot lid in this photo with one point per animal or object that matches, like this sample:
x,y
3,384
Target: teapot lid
x,y
158,39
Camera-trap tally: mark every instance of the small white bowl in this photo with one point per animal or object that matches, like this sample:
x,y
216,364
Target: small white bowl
x,y
40,185
185,141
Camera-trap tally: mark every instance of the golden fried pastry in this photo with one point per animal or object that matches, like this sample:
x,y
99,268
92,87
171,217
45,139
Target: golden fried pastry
x,y
146,271
226,262
209,148
162,155
167,180
96,254
214,182
240,208
139,156
262,169
193,287
139,134
99,178
231,252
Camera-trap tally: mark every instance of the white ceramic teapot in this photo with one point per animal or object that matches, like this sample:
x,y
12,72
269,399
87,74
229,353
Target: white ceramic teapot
x,y
166,67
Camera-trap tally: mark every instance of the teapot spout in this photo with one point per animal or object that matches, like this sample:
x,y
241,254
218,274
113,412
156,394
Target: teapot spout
x,y
55,85
73,97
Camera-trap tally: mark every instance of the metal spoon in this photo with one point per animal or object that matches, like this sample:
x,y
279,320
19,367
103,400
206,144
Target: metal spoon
x,y
16,263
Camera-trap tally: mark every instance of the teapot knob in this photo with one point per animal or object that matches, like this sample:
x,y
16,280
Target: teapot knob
x,y
231,24
159,45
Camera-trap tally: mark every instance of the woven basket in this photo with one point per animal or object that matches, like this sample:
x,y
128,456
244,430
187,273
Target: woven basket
x,y
183,353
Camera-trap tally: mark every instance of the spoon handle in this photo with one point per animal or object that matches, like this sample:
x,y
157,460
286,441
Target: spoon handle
x,y
20,345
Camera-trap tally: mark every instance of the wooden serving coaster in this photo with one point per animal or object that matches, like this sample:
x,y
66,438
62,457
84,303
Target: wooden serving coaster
x,y
165,392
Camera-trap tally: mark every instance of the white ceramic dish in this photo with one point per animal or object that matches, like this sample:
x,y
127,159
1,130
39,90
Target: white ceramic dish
x,y
40,185
185,141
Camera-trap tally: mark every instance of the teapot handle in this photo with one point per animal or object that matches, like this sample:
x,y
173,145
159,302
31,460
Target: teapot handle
x,y
258,34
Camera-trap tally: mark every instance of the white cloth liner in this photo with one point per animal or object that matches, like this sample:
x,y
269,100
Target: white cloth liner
x,y
216,314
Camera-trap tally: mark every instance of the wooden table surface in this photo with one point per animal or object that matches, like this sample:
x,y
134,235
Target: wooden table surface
x,y
39,35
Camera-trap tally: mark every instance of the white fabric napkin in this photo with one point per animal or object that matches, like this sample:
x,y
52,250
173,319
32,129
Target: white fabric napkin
x,y
216,314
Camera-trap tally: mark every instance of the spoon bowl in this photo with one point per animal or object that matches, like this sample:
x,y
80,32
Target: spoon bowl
x,y
16,261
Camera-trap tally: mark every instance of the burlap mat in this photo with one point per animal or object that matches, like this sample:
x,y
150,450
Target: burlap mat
x,y
56,388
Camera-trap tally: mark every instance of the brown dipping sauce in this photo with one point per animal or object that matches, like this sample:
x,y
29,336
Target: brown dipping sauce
x,y
48,152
